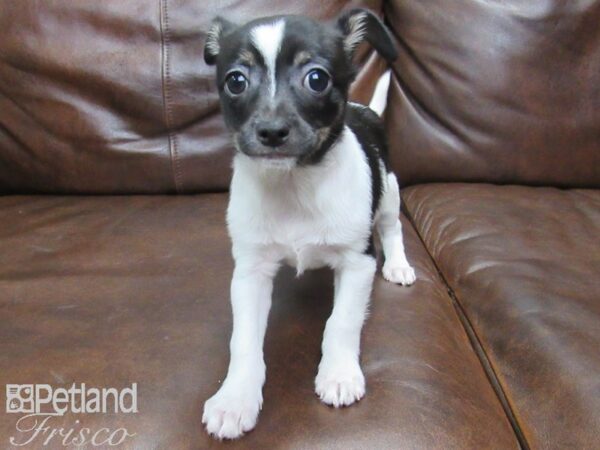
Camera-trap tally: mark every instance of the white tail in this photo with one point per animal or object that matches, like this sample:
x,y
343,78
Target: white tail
x,y
379,99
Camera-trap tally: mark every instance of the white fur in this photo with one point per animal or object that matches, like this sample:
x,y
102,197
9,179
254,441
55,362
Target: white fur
x,y
309,216
396,267
267,40
379,99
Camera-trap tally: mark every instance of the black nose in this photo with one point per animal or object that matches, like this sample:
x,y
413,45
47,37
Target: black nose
x,y
272,133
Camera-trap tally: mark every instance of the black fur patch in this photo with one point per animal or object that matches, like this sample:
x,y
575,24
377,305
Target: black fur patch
x,y
368,128
371,247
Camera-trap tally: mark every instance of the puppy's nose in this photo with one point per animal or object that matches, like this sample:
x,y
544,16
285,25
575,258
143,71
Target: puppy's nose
x,y
273,133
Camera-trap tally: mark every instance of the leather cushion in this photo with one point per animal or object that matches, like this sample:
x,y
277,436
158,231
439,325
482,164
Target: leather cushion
x,y
113,290
501,92
524,264
114,97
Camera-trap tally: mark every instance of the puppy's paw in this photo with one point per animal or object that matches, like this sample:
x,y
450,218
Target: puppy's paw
x,y
404,275
231,412
340,383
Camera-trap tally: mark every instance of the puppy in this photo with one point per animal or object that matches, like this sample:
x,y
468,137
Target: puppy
x,y
310,182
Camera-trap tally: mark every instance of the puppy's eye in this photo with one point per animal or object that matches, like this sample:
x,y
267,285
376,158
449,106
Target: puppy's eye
x,y
236,83
317,81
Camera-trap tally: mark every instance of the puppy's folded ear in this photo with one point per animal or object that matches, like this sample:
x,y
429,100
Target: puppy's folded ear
x,y
212,46
358,25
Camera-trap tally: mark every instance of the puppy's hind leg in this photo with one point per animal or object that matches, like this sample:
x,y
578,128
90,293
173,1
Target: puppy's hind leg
x,y
396,267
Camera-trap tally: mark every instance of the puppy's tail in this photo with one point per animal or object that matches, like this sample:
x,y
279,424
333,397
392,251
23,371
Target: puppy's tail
x,y
379,99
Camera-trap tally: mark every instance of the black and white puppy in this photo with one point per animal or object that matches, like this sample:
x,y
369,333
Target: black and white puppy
x,y
310,183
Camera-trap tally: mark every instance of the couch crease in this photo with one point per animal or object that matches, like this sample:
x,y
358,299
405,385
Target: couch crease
x,y
486,364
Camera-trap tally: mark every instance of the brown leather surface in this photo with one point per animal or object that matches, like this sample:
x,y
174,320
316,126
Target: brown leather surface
x,y
524,265
114,97
501,92
114,290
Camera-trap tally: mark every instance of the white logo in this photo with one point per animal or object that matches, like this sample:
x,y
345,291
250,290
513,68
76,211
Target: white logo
x,y
19,398
78,399
41,403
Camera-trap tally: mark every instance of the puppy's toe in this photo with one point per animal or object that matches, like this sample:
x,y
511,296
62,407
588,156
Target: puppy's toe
x,y
228,416
340,384
404,275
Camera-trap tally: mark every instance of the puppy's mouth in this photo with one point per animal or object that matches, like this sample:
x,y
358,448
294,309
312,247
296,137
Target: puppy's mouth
x,y
271,157
274,156
262,152
278,162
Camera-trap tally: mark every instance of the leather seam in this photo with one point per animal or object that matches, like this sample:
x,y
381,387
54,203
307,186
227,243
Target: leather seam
x,y
166,94
476,344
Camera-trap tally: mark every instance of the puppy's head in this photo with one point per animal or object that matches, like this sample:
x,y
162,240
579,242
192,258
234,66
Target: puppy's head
x,y
283,81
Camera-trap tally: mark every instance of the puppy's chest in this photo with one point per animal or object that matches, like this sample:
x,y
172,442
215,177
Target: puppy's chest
x,y
309,233
311,218
308,227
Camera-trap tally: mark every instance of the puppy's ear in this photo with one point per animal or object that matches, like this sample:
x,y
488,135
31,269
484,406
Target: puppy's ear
x,y
212,46
358,25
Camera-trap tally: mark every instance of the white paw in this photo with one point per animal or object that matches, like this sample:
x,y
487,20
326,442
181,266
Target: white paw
x,y
404,275
231,412
340,383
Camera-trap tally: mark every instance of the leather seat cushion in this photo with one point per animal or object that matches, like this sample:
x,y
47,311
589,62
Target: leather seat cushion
x,y
113,290
523,264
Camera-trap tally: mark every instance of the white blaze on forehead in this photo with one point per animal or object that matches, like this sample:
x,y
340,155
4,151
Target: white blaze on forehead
x,y
267,39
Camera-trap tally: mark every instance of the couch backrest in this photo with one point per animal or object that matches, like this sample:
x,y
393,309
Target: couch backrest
x,y
496,91
114,96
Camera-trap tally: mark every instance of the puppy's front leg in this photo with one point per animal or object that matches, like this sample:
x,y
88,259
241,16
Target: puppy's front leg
x,y
340,381
234,409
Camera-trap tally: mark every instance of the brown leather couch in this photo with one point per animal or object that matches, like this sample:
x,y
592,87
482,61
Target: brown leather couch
x,y
494,123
